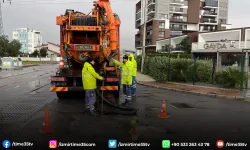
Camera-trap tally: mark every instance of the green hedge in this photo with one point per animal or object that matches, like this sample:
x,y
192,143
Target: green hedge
x,y
231,78
183,70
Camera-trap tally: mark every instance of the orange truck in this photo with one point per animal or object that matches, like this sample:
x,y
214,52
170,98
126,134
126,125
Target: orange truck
x,y
96,35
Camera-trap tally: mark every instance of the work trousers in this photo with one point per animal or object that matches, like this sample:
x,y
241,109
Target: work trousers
x,y
133,87
127,92
90,99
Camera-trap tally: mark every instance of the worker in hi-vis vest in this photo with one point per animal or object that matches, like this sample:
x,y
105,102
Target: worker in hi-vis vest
x,y
89,77
133,87
127,71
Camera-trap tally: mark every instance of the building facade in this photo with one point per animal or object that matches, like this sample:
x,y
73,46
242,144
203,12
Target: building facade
x,y
29,39
172,18
223,46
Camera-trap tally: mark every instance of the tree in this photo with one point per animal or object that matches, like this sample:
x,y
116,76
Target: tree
x,y
9,48
3,46
186,45
35,53
14,48
44,52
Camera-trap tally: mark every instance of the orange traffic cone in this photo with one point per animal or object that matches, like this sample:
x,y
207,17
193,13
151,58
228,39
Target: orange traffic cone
x,y
46,129
133,133
163,114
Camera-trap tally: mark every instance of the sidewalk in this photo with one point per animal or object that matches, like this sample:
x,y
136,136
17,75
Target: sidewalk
x,y
192,89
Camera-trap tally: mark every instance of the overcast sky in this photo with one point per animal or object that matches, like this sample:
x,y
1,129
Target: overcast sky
x,y
42,17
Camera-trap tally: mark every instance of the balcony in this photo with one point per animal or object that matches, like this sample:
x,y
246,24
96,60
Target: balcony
x,y
138,11
149,28
207,13
149,36
178,28
210,4
149,43
138,44
177,19
137,39
208,21
151,2
176,2
151,10
138,17
177,11
150,18
138,25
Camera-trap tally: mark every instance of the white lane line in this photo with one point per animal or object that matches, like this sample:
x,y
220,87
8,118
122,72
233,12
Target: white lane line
x,y
17,86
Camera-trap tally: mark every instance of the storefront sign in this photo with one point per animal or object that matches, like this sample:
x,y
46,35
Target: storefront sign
x,y
218,45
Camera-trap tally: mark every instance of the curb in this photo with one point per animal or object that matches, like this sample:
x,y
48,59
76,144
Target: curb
x,y
197,93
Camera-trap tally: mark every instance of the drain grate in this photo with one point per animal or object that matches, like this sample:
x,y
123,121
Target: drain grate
x,y
22,107
11,116
182,105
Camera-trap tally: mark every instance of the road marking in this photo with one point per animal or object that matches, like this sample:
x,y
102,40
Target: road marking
x,y
17,86
174,106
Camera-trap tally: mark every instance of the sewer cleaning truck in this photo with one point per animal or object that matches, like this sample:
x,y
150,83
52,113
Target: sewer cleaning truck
x,y
96,35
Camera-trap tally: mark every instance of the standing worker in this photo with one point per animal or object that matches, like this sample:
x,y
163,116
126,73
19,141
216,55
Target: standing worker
x,y
127,71
89,77
133,87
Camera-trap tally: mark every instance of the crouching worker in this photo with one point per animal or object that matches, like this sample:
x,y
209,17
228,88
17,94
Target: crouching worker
x,y
127,70
89,77
132,59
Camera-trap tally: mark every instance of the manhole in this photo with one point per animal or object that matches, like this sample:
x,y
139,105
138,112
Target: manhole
x,y
182,105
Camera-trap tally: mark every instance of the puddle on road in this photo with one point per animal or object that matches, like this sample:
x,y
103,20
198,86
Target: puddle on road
x,y
182,105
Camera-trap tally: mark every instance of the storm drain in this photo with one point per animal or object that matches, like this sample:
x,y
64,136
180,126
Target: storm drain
x,y
182,105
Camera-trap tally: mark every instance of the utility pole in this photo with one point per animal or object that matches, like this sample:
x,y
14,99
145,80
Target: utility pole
x,y
39,47
1,18
144,35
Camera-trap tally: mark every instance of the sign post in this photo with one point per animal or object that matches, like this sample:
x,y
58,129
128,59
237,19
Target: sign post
x,y
242,68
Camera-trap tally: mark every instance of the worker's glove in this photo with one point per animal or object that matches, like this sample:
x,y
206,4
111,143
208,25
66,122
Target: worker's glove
x,y
101,78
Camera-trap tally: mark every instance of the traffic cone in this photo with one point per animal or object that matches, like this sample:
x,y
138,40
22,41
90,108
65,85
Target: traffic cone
x,y
163,114
134,138
46,129
133,133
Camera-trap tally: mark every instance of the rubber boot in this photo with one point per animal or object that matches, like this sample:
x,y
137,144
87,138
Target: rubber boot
x,y
126,102
93,112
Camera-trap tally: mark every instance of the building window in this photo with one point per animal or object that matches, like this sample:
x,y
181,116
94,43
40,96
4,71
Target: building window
x,y
161,34
162,25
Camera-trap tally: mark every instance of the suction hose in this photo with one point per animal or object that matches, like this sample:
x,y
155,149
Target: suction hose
x,y
119,109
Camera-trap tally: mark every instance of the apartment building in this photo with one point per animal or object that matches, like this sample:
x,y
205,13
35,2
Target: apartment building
x,y
173,18
29,39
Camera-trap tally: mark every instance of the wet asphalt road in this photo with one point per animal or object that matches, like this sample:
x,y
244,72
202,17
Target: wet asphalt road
x,y
190,116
